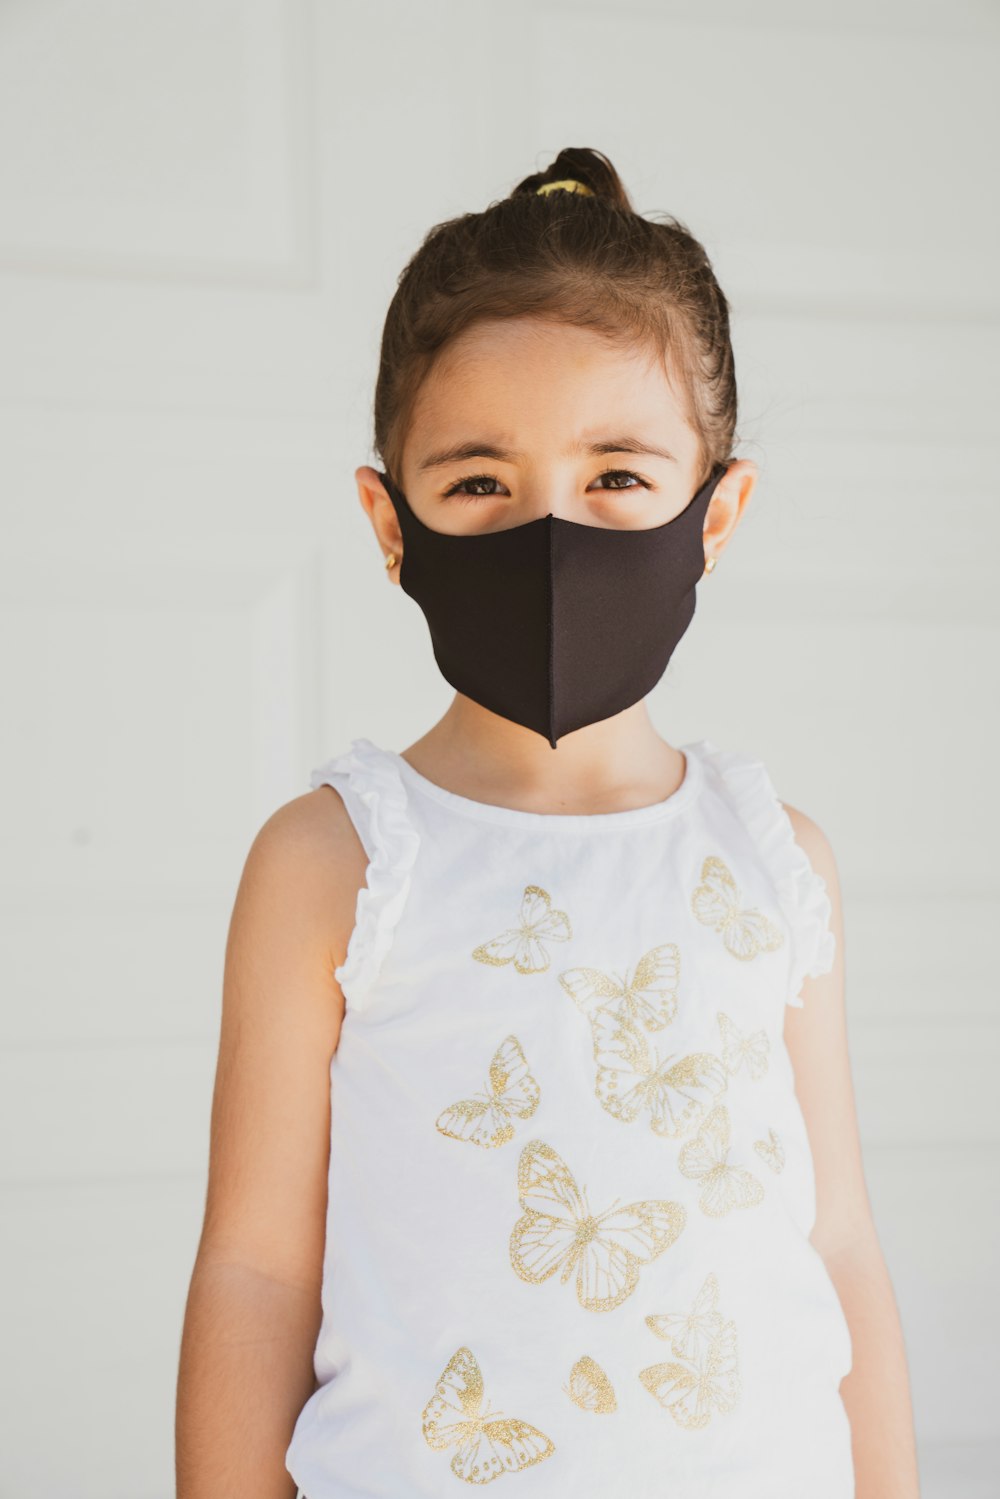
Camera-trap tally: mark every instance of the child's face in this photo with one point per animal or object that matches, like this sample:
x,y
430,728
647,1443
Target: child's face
x,y
533,390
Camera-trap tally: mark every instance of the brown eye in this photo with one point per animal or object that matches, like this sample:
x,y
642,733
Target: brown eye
x,y
457,489
622,473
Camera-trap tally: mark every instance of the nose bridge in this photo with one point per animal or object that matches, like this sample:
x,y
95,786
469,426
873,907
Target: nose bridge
x,y
556,501
551,496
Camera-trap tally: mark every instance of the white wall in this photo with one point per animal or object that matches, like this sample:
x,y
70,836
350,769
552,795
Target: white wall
x,y
203,209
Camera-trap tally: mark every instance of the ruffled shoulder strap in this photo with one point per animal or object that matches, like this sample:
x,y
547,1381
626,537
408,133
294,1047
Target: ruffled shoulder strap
x,y
801,891
376,801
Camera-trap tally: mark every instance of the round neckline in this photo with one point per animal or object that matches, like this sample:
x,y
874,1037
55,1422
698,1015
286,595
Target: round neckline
x,y
629,817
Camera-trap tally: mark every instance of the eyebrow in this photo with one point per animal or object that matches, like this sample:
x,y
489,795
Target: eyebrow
x,y
459,452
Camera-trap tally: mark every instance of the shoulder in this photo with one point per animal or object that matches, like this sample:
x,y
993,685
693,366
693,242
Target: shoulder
x,y
303,871
792,844
812,840
306,841
820,918
817,848
795,855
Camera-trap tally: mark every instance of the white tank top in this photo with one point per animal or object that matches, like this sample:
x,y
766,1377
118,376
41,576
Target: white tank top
x,y
571,1190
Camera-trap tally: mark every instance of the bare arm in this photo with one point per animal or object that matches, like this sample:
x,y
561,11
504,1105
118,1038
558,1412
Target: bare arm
x,y
253,1307
876,1392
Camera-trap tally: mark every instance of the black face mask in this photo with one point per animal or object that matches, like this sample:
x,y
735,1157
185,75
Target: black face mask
x,y
551,623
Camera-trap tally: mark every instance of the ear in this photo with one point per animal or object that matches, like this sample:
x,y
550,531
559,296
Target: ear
x,y
381,512
730,499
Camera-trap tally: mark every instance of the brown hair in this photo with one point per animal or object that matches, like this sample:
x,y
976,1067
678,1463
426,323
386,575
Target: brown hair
x,y
586,259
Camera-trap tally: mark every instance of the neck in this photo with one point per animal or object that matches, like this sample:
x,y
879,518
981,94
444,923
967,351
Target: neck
x,y
611,766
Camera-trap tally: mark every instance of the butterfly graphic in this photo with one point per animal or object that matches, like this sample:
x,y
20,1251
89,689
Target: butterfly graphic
x,y
558,1231
692,1392
705,1158
717,903
590,1388
771,1151
524,944
691,1335
632,1079
489,1444
649,997
738,1049
487,1118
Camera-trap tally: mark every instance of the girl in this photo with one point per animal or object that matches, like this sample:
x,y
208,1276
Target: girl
x,y
533,1133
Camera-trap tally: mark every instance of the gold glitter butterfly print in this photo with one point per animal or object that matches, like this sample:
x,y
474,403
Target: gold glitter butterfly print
x,y
705,1158
648,997
771,1151
692,1333
717,903
489,1443
557,1232
487,1119
590,1388
739,1050
674,1092
524,945
702,1379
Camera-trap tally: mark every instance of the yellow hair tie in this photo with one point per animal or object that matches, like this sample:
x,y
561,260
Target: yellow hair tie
x,y
569,184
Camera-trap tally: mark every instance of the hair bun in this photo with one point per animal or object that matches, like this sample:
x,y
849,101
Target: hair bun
x,y
579,170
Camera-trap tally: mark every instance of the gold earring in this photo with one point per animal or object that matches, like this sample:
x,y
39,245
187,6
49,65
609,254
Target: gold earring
x,y
710,564
390,561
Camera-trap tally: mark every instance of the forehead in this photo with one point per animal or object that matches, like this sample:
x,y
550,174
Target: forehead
x,y
530,379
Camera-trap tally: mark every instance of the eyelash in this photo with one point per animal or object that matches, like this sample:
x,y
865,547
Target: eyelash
x,y
453,492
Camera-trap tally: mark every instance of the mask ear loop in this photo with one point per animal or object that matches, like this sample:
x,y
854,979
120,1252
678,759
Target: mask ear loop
x,y
400,501
718,471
